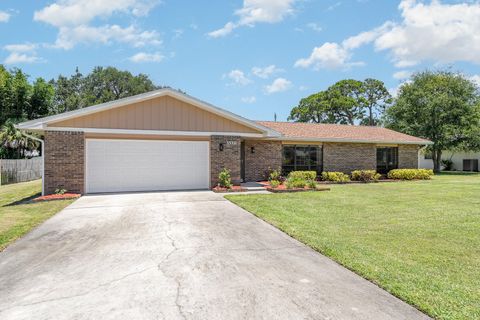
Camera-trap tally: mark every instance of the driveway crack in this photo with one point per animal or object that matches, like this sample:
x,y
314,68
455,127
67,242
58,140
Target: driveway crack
x,y
160,266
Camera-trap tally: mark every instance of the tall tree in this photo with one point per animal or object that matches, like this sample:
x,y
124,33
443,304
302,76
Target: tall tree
x,y
347,100
441,106
41,99
107,84
376,100
315,108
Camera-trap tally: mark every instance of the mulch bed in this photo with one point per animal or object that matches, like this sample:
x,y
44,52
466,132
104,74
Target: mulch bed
x,y
232,189
64,196
283,188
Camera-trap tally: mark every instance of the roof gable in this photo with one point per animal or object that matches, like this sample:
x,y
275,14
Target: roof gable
x,y
223,117
161,113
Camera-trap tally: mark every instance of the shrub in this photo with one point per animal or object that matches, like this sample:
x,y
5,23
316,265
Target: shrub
x,y
295,182
447,164
410,174
60,191
274,175
365,175
305,175
335,176
274,183
224,178
312,184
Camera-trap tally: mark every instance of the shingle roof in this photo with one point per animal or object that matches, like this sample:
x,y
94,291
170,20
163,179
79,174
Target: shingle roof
x,y
337,132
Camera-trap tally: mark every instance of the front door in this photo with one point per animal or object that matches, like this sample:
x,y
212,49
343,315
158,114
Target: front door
x,y
242,161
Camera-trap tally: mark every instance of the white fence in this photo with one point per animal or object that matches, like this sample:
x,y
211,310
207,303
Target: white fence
x,y
20,170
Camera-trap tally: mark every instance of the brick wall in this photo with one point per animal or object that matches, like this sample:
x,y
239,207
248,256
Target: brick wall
x,y
408,156
64,161
268,154
228,158
346,157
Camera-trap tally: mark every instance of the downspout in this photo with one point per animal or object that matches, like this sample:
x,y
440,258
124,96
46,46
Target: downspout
x,y
42,143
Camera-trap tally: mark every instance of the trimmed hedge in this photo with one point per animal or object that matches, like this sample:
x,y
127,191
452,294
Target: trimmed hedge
x,y
365,175
295,182
305,175
335,176
410,174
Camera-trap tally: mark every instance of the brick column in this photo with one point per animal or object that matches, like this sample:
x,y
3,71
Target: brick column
x,y
228,158
408,156
64,161
267,155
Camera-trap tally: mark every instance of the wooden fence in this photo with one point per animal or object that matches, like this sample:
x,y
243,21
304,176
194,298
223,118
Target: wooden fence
x,y
20,170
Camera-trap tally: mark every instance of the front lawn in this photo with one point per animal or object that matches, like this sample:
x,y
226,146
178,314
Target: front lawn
x,y
418,240
18,214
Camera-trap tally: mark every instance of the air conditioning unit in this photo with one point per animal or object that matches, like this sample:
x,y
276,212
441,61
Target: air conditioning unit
x,y
470,164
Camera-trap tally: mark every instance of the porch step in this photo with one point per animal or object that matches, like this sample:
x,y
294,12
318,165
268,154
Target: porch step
x,y
252,186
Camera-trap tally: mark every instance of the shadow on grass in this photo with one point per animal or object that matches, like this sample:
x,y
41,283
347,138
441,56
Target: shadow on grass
x,y
25,200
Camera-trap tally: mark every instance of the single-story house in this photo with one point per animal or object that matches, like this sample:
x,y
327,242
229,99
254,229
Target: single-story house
x,y
461,161
167,140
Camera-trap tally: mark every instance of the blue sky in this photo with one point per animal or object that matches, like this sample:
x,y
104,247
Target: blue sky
x,y
252,57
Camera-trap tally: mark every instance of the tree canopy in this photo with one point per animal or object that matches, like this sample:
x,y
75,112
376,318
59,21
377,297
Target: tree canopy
x,y
441,106
346,102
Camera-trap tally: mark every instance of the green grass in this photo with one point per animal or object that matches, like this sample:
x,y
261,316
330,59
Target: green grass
x,y
418,240
18,215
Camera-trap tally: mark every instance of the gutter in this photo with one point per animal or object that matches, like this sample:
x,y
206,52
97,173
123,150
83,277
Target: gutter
x,y
340,140
42,143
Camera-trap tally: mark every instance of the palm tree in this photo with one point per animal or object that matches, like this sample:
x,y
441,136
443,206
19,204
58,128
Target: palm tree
x,y
13,143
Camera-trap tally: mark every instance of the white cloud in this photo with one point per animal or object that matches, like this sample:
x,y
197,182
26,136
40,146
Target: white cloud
x,y
21,53
4,16
76,21
439,32
69,37
222,32
266,72
314,26
237,77
251,99
328,56
442,33
24,47
403,74
146,57
63,13
278,85
16,57
257,11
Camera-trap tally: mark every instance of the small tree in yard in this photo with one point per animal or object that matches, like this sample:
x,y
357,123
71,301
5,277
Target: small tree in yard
x,y
224,179
440,106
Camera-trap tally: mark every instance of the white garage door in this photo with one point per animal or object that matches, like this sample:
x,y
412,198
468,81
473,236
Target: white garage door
x,y
146,165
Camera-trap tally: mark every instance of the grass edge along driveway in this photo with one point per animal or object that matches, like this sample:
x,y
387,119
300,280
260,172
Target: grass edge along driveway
x,y
19,215
418,240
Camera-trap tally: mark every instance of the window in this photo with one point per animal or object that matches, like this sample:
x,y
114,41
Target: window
x,y
387,159
301,157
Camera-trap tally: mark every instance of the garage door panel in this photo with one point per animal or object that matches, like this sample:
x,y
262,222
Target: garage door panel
x,y
138,165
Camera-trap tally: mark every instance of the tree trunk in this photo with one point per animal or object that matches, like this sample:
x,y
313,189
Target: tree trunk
x,y
370,122
437,160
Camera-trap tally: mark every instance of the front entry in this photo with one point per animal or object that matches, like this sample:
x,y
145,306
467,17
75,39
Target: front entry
x,y
242,161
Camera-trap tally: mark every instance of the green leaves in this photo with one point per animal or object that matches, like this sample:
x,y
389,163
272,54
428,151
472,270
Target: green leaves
x,y
346,102
441,106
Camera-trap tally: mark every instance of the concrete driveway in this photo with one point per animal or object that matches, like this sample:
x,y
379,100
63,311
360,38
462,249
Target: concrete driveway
x,y
177,255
